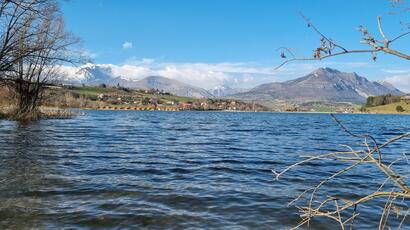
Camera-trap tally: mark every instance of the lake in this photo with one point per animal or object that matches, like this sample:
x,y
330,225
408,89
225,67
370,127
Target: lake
x,y
178,170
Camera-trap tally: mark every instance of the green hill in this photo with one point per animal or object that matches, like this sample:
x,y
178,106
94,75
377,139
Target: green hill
x,y
390,108
387,104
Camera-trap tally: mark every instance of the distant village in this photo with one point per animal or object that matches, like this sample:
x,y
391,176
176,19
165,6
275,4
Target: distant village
x,y
103,97
156,102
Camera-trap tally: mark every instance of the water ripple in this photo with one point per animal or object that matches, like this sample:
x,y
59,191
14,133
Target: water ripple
x,y
165,170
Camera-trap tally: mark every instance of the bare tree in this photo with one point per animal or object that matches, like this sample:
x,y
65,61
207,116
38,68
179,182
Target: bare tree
x,y
330,48
34,45
15,17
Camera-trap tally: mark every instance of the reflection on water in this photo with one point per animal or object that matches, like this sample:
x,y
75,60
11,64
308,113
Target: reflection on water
x,y
128,169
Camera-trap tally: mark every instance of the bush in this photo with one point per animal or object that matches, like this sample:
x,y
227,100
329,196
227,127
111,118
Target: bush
x,y
381,100
363,109
399,109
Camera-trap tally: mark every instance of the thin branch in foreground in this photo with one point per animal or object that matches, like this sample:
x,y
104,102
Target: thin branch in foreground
x,y
329,48
344,212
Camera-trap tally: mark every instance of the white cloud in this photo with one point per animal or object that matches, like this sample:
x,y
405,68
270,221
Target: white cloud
x,y
70,73
402,82
127,45
88,54
131,72
144,61
396,71
204,75
209,75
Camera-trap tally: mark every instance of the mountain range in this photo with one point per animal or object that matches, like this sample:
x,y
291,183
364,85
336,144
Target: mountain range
x,y
169,85
321,85
95,75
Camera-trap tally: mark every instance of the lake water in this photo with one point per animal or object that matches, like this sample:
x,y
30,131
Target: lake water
x,y
178,170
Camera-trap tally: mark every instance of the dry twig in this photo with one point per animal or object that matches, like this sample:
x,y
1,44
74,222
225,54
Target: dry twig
x,y
344,211
330,48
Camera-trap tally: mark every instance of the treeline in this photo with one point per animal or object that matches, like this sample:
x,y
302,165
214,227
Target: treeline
x,y
373,101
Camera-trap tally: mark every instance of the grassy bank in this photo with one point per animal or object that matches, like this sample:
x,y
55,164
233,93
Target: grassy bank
x,y
390,108
42,113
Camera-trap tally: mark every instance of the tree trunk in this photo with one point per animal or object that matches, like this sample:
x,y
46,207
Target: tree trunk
x,y
27,98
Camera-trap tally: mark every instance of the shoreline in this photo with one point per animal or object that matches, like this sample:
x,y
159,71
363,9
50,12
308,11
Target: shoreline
x,y
240,111
67,113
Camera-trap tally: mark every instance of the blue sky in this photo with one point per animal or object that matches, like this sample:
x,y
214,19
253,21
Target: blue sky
x,y
161,33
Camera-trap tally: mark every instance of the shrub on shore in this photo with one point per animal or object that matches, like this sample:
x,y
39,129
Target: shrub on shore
x,y
57,114
399,109
9,113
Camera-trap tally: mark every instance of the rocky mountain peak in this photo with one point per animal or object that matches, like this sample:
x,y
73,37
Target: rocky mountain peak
x,y
325,70
323,84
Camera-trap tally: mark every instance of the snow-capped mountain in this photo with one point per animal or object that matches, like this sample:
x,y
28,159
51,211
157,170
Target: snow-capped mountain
x,y
96,75
93,74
